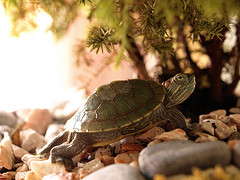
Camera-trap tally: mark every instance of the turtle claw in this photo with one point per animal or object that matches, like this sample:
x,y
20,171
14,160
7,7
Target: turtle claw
x,y
67,162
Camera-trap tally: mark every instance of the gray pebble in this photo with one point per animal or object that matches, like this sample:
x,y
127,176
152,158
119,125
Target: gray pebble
x,y
8,119
173,157
116,172
236,154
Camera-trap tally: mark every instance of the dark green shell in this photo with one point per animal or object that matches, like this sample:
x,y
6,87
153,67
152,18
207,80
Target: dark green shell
x,y
117,104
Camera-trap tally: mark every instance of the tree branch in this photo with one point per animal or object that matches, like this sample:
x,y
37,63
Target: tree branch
x,y
137,58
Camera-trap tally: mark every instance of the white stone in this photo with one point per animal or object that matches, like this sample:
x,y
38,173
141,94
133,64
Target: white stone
x,y
43,168
6,152
31,140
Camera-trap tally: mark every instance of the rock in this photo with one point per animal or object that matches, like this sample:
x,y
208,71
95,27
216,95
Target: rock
x,y
31,140
43,168
232,143
203,137
21,175
123,158
22,168
28,158
126,157
234,110
53,130
219,113
37,119
85,154
176,134
8,119
5,128
236,119
208,127
60,176
222,131
128,140
233,127
150,134
132,147
8,175
91,167
175,157
107,150
116,172
18,152
29,175
106,159
235,135
6,152
236,154
207,116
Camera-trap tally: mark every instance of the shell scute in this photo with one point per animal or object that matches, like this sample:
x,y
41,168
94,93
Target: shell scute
x,y
106,111
138,83
106,92
122,121
92,102
123,87
125,104
143,94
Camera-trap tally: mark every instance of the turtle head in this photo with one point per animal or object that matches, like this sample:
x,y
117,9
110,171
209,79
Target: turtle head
x,y
178,88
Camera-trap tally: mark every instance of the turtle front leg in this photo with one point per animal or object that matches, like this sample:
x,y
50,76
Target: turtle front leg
x,y
65,152
174,115
59,139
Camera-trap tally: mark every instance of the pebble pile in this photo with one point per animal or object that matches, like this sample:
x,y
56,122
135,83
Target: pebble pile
x,y
210,149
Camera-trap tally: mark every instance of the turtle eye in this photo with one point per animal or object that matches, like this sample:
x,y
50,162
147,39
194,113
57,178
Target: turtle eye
x,y
179,77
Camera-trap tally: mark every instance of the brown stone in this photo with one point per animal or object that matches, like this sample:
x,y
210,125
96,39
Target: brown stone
x,y
107,150
234,110
18,152
208,127
37,119
203,117
107,160
222,131
132,147
150,134
176,134
219,113
122,158
236,119
203,137
127,157
8,175
232,143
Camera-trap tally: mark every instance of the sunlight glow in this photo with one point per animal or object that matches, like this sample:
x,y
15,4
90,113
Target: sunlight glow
x,y
31,66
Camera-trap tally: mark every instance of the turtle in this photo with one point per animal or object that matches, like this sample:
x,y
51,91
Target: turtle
x,y
120,109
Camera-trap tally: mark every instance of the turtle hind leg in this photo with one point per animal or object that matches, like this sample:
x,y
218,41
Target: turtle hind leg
x,y
64,153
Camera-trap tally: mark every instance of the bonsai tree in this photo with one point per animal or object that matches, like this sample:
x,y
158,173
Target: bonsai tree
x,y
180,33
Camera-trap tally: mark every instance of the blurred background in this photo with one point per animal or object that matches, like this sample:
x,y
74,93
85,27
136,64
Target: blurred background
x,y
55,53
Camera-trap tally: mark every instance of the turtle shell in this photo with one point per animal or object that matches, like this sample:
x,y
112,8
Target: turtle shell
x,y
116,105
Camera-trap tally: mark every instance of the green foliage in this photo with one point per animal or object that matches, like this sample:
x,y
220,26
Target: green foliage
x,y
100,38
155,22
